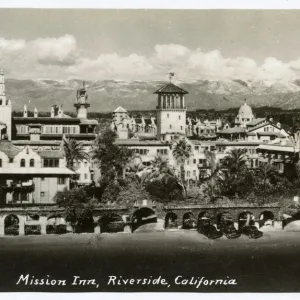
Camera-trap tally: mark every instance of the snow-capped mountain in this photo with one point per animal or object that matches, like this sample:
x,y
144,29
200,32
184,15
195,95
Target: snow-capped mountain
x,y
106,95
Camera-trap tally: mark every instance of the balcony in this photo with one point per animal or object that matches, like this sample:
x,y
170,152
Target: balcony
x,y
175,108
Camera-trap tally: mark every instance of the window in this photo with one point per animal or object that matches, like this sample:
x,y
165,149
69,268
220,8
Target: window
x,y
43,178
180,127
179,117
11,160
194,173
24,196
22,163
167,115
170,126
197,148
162,151
0,163
85,164
31,163
85,176
51,163
61,180
92,177
42,194
188,174
194,161
15,196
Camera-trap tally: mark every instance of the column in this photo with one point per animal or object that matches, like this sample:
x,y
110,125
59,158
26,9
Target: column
x,y
21,225
69,228
2,225
97,229
43,222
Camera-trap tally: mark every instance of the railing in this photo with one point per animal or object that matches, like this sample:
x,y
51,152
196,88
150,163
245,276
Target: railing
x,y
170,108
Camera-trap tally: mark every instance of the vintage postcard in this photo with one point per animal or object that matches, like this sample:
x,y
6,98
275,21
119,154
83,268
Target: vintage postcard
x,y
149,150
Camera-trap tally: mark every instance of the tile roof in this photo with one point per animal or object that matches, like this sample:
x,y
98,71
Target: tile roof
x,y
274,147
120,109
278,134
88,122
51,153
42,171
263,125
170,88
256,121
233,130
238,143
137,142
9,149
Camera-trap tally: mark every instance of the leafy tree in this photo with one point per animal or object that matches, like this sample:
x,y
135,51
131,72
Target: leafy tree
x,y
112,160
182,152
78,207
131,192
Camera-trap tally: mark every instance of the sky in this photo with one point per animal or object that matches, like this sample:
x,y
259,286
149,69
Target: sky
x,y
147,44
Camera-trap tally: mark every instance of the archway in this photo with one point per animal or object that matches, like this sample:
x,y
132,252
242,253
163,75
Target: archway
x,y
188,221
112,223
56,224
86,224
204,218
245,218
142,216
32,224
266,218
11,225
224,217
171,220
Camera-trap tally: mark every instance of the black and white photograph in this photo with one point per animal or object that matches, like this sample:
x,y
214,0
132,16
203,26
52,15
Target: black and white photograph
x,y
149,150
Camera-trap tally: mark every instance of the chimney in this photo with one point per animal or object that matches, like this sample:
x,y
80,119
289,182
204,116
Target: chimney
x,y
52,112
35,112
25,113
60,111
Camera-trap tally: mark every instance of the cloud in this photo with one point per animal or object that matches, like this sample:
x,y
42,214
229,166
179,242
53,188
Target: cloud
x,y
55,51
61,58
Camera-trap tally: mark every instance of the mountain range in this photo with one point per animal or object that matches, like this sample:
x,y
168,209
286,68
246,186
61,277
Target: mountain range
x,y
105,96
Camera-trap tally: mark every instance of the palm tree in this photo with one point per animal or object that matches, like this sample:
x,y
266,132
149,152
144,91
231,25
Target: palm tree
x,y
74,152
266,171
211,179
159,168
232,170
235,161
181,153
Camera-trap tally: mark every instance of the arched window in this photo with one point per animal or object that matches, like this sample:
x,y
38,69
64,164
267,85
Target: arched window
x,y
31,163
22,163
0,163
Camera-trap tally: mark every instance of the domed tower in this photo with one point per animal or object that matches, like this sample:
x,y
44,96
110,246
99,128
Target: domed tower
x,y
244,116
170,111
5,111
81,102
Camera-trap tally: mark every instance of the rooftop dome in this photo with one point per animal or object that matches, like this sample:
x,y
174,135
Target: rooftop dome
x,y
245,111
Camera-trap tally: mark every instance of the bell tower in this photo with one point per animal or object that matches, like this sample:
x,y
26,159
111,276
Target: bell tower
x,y
5,111
81,102
170,111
